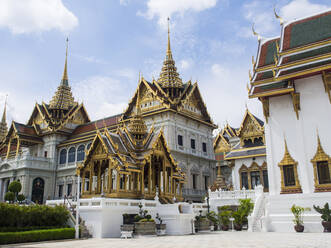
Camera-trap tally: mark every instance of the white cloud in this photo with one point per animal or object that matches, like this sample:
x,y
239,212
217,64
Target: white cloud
x,y
185,64
102,96
166,8
301,8
124,2
261,14
31,16
223,88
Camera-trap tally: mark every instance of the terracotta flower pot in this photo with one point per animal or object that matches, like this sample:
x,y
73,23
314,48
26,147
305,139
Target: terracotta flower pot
x,y
326,225
299,228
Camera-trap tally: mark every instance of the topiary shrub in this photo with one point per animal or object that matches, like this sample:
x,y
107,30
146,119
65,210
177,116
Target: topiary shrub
x,y
15,187
20,198
10,196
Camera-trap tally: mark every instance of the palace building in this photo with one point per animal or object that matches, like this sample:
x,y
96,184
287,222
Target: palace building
x,y
292,79
162,142
241,155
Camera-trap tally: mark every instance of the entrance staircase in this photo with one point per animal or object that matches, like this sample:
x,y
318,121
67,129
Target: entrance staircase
x,y
84,233
255,219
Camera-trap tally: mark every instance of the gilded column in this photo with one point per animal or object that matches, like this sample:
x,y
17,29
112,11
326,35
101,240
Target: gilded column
x,y
83,181
99,178
150,177
142,181
110,177
8,148
164,177
118,181
18,146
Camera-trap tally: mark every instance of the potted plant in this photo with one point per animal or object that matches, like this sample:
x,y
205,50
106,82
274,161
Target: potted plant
x,y
325,215
144,224
298,217
160,228
202,224
245,208
224,217
212,217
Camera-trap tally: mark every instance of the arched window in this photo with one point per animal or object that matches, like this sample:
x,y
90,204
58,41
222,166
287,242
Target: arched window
x,y
63,156
88,145
71,155
81,153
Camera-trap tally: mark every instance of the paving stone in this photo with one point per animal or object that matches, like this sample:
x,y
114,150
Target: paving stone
x,y
212,240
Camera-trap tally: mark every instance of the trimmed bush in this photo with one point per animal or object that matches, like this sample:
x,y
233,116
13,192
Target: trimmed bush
x,y
15,187
34,236
20,197
10,196
13,215
28,228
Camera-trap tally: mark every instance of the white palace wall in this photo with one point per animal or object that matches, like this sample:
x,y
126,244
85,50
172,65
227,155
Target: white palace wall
x,y
300,135
301,138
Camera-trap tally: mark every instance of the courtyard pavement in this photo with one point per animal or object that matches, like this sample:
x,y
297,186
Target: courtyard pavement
x,y
210,240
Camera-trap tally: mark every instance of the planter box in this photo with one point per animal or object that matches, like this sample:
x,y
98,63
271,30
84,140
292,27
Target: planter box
x,y
144,228
203,225
161,229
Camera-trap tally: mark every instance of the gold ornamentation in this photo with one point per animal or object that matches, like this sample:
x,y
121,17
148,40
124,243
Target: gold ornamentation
x,y
3,124
327,83
63,99
169,77
254,167
256,34
281,20
250,129
288,160
265,104
296,103
321,156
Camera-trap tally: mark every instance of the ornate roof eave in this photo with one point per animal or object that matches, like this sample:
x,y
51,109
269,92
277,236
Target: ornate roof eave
x,y
203,105
134,97
287,158
248,113
320,154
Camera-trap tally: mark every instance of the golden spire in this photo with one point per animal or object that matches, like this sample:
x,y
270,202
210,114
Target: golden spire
x,y
137,125
169,77
3,123
169,54
63,99
65,72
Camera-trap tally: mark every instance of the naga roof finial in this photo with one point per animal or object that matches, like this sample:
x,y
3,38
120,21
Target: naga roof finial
x,y
281,20
255,33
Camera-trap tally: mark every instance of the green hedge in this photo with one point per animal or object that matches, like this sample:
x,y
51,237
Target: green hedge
x,y
13,215
38,235
27,228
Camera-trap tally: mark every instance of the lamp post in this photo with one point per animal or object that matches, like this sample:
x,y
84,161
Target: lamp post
x,y
77,208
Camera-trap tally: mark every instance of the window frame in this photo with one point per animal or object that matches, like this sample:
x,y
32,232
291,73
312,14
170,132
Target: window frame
x,y
193,144
66,156
288,160
74,154
180,138
321,156
82,151
204,147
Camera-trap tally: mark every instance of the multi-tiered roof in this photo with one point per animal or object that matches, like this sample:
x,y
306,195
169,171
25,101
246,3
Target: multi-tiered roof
x,y
302,50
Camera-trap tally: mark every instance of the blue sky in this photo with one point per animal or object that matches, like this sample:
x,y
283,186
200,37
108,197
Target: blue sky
x,y
110,41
